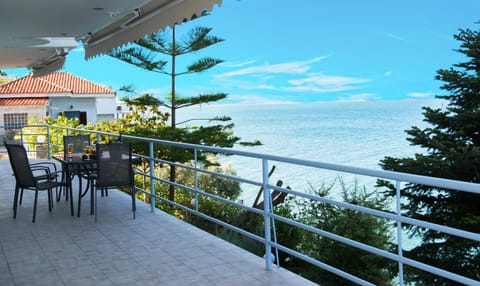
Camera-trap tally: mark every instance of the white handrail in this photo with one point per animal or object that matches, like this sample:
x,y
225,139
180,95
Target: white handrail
x,y
270,217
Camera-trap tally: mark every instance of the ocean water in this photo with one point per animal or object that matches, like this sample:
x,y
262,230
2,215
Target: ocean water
x,y
357,134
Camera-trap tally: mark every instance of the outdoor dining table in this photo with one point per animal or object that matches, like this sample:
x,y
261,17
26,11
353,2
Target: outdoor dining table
x,y
77,165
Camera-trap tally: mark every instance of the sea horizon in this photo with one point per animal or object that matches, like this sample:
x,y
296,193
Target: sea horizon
x,y
357,134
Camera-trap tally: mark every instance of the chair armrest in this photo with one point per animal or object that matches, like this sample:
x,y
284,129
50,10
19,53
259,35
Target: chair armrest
x,y
50,165
45,173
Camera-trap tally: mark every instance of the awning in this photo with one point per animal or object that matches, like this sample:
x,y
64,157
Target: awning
x,y
150,18
52,64
39,34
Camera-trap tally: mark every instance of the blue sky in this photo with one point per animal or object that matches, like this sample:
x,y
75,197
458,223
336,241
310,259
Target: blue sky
x,y
309,50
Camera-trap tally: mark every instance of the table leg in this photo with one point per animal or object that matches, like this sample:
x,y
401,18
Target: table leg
x,y
80,195
68,187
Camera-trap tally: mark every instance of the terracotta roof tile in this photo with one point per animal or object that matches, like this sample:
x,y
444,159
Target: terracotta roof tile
x,y
59,82
23,101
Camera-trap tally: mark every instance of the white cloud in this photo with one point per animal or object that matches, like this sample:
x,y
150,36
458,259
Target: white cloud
x,y
254,99
395,37
420,94
360,97
288,77
157,92
261,86
236,65
388,73
318,82
283,68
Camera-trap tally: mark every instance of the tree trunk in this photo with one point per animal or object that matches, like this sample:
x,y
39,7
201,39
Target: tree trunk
x,y
171,188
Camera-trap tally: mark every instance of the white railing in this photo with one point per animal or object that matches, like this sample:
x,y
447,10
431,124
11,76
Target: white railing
x,y
268,214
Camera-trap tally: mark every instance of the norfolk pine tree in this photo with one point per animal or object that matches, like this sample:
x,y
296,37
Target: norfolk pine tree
x,y
145,54
452,145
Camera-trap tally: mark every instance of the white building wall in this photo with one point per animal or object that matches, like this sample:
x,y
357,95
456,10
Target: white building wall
x,y
106,108
57,105
31,110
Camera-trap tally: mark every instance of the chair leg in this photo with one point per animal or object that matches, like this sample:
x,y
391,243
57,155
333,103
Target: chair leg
x,y
21,196
50,202
92,190
70,193
105,192
63,187
15,201
134,205
35,206
15,198
95,203
58,192
79,195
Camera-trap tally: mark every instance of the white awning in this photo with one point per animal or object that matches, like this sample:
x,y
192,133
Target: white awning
x,y
156,15
39,34
49,67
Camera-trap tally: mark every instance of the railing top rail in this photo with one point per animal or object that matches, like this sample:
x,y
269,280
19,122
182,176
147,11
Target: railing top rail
x,y
390,175
397,176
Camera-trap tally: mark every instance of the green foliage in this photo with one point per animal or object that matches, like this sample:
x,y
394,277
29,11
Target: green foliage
x,y
33,135
349,224
223,187
452,151
219,186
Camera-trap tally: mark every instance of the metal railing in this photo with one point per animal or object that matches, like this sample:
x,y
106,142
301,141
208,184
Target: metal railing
x,y
52,136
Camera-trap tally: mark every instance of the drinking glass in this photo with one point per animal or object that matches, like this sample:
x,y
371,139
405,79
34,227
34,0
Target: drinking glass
x,y
69,150
86,149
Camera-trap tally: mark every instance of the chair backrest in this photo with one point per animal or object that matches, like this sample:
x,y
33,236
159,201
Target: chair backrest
x,y
114,165
17,155
77,141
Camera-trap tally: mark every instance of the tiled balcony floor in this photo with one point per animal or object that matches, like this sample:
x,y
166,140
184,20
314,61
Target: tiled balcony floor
x,y
153,249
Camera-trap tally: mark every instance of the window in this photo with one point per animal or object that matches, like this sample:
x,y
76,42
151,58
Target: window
x,y
14,120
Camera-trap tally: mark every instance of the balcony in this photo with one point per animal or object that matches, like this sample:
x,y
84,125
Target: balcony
x,y
154,249
159,249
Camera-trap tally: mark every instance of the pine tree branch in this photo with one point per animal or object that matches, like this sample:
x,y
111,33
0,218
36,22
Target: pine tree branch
x,y
139,58
203,64
199,39
202,98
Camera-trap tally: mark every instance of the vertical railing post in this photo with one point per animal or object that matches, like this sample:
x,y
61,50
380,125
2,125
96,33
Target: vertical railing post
x,y
195,175
266,216
48,142
152,175
57,137
399,233
21,135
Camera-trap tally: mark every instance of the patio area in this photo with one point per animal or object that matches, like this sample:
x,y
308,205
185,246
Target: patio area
x,y
153,249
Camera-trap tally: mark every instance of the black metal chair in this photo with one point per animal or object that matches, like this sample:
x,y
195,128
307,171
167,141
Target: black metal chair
x,y
25,178
114,170
49,169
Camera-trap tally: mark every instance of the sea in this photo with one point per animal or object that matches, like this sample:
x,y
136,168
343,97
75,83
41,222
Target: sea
x,y
358,134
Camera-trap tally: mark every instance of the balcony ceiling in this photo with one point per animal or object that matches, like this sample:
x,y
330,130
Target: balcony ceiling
x,y
39,34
